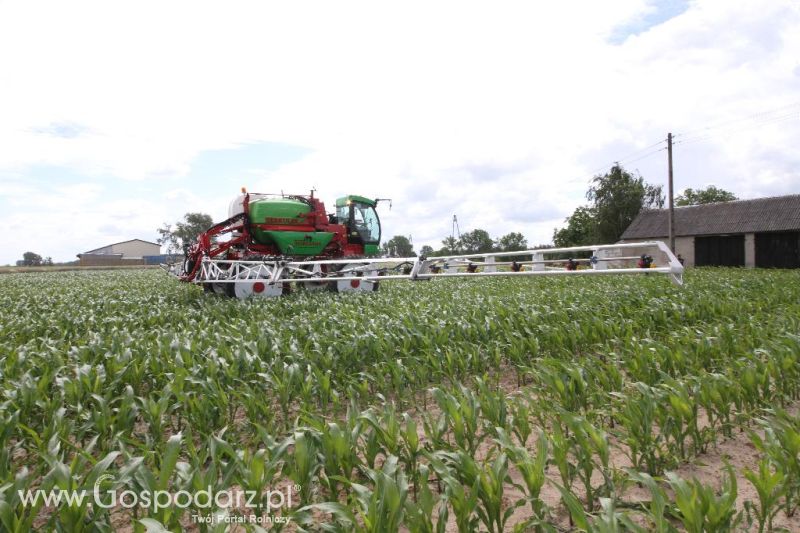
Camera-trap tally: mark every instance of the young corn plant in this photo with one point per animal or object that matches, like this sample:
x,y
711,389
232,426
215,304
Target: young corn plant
x,y
769,485
637,413
387,428
338,445
158,478
303,464
578,518
494,406
565,384
677,418
379,509
154,409
717,399
656,511
701,508
532,469
411,451
491,482
257,471
562,447
520,419
462,411
781,445
15,516
419,515
435,427
575,438
461,496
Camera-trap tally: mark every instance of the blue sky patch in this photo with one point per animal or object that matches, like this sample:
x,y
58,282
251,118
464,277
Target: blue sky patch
x,y
64,130
660,12
224,172
245,161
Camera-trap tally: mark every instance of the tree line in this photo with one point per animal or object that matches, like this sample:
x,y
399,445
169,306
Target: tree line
x,y
477,241
615,198
34,259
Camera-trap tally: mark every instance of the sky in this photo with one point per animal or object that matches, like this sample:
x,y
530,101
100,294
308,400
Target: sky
x,y
118,117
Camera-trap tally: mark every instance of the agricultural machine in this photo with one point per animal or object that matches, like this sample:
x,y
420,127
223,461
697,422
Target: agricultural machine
x,y
271,244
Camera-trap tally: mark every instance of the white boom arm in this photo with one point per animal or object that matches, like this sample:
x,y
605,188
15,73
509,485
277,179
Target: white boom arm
x,y
607,259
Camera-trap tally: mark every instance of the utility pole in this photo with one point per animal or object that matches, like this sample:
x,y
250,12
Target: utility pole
x,y
671,223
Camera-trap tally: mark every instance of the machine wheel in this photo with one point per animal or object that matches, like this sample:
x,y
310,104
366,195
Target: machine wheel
x,y
316,286
222,289
355,285
258,288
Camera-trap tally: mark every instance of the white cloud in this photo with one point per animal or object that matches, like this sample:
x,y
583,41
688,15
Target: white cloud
x,y
498,112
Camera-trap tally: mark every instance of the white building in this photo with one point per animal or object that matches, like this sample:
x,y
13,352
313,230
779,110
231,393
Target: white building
x,y
130,252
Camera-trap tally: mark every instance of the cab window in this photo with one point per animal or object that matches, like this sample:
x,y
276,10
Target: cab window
x,y
366,223
361,219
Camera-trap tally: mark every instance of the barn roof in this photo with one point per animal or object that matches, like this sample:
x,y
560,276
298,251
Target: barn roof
x,y
121,242
777,213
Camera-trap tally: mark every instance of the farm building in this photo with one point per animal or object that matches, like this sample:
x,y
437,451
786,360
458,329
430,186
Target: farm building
x,y
132,252
763,232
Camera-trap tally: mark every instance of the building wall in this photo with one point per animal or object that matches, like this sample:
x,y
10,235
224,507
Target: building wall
x,y
684,246
750,250
137,249
107,260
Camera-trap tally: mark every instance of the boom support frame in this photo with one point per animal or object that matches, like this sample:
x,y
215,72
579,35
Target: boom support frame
x,y
610,259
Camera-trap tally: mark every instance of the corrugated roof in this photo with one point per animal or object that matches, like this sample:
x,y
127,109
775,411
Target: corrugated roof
x,y
777,213
122,242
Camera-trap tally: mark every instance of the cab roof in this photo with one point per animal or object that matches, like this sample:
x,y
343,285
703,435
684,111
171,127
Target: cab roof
x,y
353,198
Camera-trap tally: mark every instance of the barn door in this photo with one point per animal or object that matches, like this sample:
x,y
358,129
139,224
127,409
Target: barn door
x,y
723,250
778,250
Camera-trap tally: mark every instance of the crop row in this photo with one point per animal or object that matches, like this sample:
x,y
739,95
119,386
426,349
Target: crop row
x,y
165,387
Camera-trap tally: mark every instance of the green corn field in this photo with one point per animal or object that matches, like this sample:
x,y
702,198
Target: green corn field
x,y
593,404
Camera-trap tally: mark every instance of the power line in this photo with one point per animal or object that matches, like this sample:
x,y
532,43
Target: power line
x,y
643,149
712,135
628,160
706,133
760,116
647,155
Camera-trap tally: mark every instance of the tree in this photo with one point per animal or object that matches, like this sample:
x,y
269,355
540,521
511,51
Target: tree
x,y
426,251
618,197
398,246
185,233
581,229
709,195
31,259
476,241
450,246
512,242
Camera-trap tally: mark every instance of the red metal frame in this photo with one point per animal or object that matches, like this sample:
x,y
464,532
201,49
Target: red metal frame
x,y
242,246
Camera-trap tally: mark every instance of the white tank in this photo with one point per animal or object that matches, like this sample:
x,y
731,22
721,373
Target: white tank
x,y
237,206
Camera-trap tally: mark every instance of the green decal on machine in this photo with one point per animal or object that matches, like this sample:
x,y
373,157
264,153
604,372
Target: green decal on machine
x,y
300,242
277,211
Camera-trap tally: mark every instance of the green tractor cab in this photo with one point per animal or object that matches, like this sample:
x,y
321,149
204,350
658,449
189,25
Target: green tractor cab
x,y
358,214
